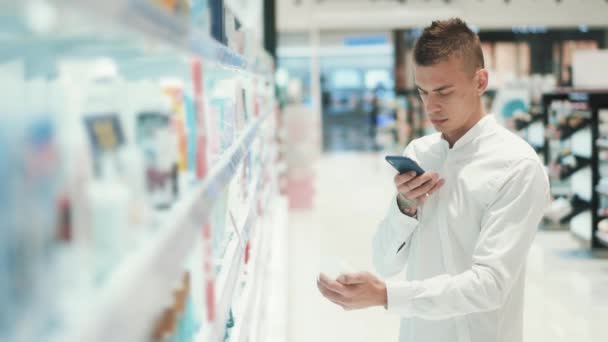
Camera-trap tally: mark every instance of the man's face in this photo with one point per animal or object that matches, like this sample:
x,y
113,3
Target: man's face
x,y
450,95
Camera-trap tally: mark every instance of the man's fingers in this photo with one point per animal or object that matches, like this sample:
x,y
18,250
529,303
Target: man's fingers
x,y
328,292
332,284
422,195
323,277
437,186
353,278
413,192
334,297
404,178
407,188
422,190
422,179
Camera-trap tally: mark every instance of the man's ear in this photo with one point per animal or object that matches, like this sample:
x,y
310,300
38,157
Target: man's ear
x,y
481,81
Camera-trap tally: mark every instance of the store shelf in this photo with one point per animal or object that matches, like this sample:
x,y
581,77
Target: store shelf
x,y
226,283
602,213
234,260
248,320
602,189
153,268
253,317
561,190
205,335
149,270
152,22
251,292
274,303
602,143
563,133
249,297
582,164
579,227
602,237
520,125
538,149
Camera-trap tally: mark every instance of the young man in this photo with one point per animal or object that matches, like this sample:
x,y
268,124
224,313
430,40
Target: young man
x,y
461,237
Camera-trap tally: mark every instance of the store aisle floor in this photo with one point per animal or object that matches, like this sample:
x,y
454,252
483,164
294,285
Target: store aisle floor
x,y
567,292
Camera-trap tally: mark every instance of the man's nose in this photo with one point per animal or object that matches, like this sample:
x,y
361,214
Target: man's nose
x,y
432,105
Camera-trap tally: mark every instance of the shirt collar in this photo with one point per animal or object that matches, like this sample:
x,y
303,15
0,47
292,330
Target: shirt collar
x,y
481,127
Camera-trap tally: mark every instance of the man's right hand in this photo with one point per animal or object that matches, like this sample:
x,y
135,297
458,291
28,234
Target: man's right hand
x,y
417,188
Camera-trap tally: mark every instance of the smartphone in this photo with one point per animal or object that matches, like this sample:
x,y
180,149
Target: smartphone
x,y
404,164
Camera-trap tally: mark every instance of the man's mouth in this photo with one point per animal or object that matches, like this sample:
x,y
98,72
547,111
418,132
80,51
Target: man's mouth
x,y
438,121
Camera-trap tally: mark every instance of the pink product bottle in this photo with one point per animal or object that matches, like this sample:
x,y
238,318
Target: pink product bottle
x,y
200,112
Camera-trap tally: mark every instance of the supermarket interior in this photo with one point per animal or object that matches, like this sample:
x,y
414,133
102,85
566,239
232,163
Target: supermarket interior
x,y
274,118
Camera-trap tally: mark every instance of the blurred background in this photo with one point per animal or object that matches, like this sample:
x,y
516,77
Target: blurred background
x,y
182,170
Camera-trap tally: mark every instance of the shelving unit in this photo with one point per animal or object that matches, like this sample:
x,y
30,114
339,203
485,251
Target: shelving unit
x,y
586,104
414,113
602,144
126,305
251,293
151,22
227,279
560,175
602,238
601,190
142,269
532,130
534,118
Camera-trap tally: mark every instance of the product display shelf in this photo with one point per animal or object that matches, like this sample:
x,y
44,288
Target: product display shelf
x,y
150,21
154,267
602,237
598,101
524,127
248,320
126,305
587,104
233,261
569,133
204,335
559,186
560,190
602,190
273,298
252,318
579,236
249,313
524,124
602,144
251,291
538,149
245,305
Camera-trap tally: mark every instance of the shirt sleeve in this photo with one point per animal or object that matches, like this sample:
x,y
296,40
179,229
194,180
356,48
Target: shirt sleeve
x,y
390,244
507,231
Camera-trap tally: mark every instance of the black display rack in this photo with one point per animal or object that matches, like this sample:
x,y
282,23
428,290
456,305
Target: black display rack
x,y
596,100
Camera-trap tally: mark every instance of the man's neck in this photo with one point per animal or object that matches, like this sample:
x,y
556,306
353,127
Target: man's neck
x,y
453,137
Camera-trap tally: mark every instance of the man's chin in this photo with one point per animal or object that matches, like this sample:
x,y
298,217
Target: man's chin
x,y
440,129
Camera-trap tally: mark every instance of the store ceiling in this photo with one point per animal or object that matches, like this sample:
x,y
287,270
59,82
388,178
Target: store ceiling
x,y
302,15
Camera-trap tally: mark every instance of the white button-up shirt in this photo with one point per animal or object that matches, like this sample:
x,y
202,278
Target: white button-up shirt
x,y
465,254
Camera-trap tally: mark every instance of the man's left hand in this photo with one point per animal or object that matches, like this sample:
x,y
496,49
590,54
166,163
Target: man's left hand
x,y
354,291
